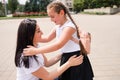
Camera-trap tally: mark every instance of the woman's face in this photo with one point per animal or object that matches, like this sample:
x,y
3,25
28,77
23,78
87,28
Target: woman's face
x,y
37,35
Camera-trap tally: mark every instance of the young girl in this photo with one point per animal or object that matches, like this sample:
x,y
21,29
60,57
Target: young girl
x,y
64,30
32,67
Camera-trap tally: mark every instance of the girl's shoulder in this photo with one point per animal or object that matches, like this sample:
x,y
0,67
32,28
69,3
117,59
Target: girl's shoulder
x,y
69,24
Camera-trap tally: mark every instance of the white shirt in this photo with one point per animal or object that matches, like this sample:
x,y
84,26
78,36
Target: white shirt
x,y
26,73
70,46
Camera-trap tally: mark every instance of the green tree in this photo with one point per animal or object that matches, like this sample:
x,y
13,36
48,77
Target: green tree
x,y
117,3
78,5
20,8
87,4
12,4
28,7
1,5
43,4
36,5
2,10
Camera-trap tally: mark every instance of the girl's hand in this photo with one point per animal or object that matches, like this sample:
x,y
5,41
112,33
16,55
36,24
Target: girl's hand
x,y
29,51
74,61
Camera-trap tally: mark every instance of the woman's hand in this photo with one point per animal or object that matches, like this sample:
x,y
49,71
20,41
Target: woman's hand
x,y
74,61
29,51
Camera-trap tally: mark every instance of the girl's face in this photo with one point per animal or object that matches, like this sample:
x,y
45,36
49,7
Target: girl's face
x,y
55,17
37,35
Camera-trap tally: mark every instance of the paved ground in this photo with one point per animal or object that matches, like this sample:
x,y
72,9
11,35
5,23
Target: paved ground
x,y
105,48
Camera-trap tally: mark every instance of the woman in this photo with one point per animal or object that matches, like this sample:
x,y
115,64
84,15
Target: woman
x,y
33,67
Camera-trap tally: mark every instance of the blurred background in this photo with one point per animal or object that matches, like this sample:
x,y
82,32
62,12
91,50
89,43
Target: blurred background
x,y
99,17
23,8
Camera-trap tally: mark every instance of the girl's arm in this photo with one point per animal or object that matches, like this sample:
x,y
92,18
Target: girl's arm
x,y
49,37
52,60
45,75
63,39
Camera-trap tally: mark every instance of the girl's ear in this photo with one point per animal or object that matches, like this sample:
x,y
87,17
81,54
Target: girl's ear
x,y
62,12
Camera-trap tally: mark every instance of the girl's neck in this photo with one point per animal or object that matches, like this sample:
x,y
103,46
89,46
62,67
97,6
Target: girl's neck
x,y
63,21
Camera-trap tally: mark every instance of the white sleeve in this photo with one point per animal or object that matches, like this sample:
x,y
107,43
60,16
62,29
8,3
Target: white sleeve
x,y
34,66
70,24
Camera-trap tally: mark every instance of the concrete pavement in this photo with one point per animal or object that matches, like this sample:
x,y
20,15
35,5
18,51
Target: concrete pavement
x,y
105,46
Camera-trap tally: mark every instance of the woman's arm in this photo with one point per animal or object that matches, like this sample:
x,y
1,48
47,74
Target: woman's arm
x,y
64,38
52,60
45,75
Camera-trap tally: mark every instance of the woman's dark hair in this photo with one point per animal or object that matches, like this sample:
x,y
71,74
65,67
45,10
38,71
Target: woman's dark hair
x,y
25,37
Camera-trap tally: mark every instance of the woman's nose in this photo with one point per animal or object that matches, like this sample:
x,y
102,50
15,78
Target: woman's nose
x,y
41,32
